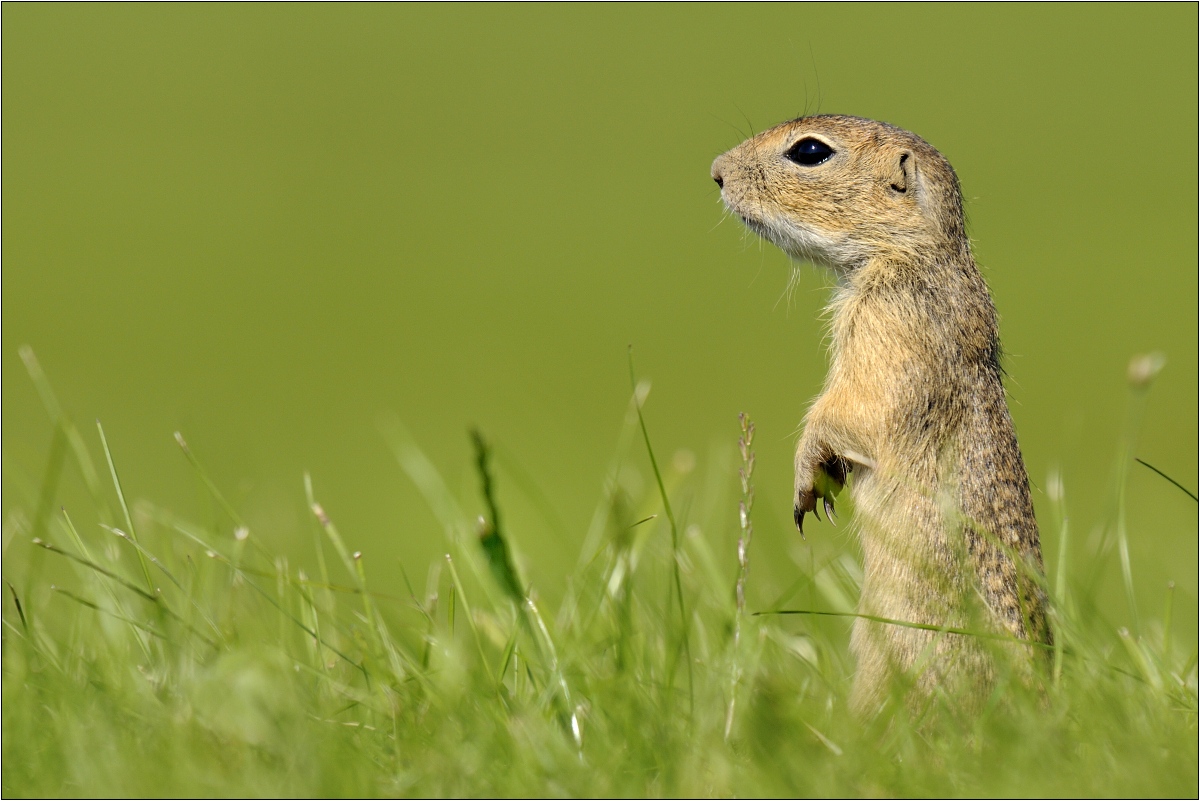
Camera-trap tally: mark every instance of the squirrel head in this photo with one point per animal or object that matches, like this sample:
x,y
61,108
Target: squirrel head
x,y
842,191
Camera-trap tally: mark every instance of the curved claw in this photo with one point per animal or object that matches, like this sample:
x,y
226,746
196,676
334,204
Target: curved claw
x,y
829,511
798,515
816,514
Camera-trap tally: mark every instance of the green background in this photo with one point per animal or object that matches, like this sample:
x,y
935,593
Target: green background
x,y
267,225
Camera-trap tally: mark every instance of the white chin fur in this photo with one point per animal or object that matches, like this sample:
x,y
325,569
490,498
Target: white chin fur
x,y
806,243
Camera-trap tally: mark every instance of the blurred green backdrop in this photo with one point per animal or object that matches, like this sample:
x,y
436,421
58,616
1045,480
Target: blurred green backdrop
x,y
267,225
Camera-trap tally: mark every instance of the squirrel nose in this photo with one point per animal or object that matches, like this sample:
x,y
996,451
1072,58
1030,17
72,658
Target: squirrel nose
x,y
716,173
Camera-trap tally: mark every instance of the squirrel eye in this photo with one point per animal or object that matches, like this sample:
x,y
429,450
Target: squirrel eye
x,y
809,152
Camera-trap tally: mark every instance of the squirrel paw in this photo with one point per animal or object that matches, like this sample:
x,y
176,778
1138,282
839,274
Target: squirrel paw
x,y
829,478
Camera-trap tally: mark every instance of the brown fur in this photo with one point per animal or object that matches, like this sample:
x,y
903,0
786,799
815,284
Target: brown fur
x,y
913,402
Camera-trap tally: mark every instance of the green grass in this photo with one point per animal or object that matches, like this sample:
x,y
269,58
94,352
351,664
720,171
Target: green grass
x,y
154,655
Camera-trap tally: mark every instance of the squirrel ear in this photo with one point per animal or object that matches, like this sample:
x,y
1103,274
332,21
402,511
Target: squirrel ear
x,y
904,174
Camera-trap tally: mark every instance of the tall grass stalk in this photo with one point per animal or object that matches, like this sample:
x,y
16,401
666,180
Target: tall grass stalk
x,y
745,535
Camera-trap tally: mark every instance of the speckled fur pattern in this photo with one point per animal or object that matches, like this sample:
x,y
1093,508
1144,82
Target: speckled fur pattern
x,y
913,402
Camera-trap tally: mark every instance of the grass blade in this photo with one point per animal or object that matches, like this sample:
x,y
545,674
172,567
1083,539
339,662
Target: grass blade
x,y
124,618
91,478
460,597
17,603
746,533
157,563
491,537
1186,491
639,397
208,482
108,588
983,635
112,469
129,585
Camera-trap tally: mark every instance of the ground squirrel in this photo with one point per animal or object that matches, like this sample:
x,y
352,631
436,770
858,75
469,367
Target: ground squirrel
x,y
913,402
